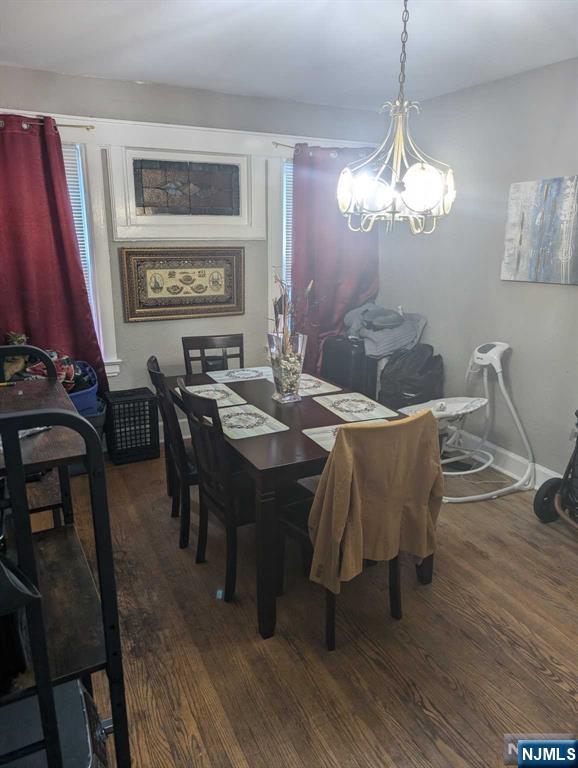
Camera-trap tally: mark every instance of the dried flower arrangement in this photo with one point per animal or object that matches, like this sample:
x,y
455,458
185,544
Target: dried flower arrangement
x,y
286,346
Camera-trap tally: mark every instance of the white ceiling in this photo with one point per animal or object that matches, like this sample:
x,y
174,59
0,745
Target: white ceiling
x,y
339,52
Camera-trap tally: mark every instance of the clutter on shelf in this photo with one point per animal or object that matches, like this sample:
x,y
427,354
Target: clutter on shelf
x,y
77,377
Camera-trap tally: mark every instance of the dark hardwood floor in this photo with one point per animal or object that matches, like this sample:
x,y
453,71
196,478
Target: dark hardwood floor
x,y
490,648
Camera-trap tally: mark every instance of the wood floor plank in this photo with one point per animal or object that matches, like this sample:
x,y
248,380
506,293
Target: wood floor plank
x,y
488,648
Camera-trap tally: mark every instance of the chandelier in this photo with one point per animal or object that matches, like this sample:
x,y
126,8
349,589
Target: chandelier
x,y
397,182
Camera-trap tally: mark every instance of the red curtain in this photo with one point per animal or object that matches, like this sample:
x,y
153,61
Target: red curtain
x,y
42,289
342,264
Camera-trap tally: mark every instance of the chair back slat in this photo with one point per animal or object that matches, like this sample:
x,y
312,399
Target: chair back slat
x,y
169,416
211,452
195,351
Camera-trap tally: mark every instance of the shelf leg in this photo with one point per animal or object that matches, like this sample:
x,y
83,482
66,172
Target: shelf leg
x,y
65,495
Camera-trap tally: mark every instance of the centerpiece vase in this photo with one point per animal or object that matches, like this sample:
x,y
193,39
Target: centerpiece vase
x,y
287,354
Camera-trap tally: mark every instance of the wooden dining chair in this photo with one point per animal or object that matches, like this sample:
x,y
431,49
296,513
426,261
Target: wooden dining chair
x,y
293,522
227,494
405,520
179,460
195,349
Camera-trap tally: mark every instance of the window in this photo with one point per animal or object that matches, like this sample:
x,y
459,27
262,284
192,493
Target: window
x,y
287,221
73,167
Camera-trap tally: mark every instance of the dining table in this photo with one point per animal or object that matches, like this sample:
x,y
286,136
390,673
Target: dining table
x,y
274,461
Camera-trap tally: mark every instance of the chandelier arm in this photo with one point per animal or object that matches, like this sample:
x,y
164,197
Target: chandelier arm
x,y
419,153
387,158
367,227
404,154
355,165
432,226
417,224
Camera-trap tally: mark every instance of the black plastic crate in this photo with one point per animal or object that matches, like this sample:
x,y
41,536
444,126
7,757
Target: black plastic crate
x,y
132,425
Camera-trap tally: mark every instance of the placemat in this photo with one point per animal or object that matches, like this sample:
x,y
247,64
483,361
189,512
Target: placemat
x,y
311,385
325,436
241,374
224,395
249,421
353,406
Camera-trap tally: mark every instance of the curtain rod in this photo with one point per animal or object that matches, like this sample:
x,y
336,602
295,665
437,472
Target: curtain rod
x,y
279,144
40,121
86,127
71,125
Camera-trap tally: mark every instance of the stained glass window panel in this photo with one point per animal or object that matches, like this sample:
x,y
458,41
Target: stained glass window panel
x,y
186,189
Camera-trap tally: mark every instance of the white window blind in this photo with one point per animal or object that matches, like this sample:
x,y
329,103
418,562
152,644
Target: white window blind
x,y
287,221
75,179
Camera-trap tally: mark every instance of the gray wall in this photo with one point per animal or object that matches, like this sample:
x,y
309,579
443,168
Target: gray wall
x,y
38,91
517,129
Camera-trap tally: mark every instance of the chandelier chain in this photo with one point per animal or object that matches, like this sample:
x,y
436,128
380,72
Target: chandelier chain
x,y
403,55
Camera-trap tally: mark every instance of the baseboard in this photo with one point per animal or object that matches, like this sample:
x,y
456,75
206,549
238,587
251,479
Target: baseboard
x,y
511,464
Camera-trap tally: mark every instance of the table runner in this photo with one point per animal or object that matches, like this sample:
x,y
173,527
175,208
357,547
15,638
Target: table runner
x,y
249,421
224,395
354,406
241,374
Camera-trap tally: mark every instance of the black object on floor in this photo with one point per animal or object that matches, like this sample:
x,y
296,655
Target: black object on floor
x,y
345,363
82,735
560,494
132,425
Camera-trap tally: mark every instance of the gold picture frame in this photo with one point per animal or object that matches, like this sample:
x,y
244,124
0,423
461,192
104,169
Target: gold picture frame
x,y
178,283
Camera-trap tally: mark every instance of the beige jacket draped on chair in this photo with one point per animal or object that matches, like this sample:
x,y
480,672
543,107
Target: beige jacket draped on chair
x,y
380,493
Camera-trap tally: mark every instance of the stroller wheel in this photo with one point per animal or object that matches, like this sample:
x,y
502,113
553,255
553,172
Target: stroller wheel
x,y
544,500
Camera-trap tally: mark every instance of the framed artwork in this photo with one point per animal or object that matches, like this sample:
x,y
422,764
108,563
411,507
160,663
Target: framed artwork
x,y
542,232
176,283
173,195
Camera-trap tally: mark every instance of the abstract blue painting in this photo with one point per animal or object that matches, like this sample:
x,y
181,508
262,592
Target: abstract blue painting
x,y
542,232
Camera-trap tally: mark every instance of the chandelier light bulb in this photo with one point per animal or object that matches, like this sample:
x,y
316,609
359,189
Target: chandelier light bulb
x,y
424,187
398,181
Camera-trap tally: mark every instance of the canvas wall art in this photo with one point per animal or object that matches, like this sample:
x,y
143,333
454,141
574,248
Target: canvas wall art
x,y
542,232
171,283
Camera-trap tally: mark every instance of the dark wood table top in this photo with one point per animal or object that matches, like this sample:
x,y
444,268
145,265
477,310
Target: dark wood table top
x,y
289,452
58,445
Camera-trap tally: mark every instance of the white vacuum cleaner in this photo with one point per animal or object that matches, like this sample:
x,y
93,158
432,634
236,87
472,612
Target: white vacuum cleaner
x,y
451,414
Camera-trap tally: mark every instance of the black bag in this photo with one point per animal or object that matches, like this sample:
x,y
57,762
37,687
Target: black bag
x,y
412,376
344,363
